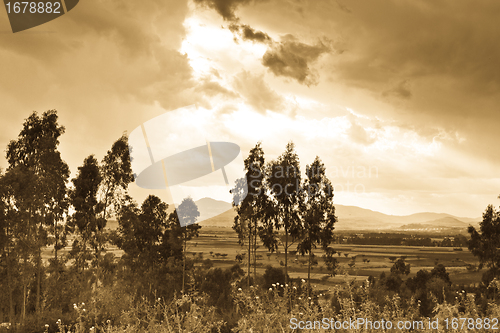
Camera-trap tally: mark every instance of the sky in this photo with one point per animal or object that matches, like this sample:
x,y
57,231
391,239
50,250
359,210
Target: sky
x,y
398,99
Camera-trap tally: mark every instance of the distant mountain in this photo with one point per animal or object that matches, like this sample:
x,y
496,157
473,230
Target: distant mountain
x,y
356,218
442,223
209,208
349,218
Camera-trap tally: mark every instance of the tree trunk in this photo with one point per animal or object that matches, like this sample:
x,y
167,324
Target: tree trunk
x,y
286,256
23,315
184,264
249,252
309,275
9,282
255,251
38,283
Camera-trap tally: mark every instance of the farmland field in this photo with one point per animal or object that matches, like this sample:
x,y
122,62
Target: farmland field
x,y
220,245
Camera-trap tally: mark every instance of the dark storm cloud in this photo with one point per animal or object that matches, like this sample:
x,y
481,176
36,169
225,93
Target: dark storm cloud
x,y
225,8
102,64
111,46
291,58
390,41
288,58
248,33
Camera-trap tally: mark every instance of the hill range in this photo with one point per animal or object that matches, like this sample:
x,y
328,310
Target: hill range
x,y
350,218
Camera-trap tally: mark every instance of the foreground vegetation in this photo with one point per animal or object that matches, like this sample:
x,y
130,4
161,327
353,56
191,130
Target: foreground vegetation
x,y
157,285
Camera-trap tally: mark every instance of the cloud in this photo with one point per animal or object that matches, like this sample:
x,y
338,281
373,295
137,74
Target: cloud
x,y
103,66
291,58
248,33
357,132
257,92
288,58
402,90
213,88
225,8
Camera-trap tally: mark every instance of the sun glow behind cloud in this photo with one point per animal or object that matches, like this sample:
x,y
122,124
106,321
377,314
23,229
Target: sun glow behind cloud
x,y
208,46
346,136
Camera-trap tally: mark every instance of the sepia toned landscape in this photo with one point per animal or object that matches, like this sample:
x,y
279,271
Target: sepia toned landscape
x,y
249,166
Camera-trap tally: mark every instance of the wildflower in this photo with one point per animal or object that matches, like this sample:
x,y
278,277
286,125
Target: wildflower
x,y
159,299
320,295
270,289
256,297
294,287
239,289
303,281
300,298
274,285
309,298
83,304
74,305
286,285
300,313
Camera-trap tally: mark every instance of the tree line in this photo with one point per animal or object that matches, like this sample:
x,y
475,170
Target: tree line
x,y
284,210
41,209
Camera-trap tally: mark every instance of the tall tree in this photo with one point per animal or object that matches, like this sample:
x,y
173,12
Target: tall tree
x,y
35,150
284,185
188,212
116,174
485,243
145,236
251,203
85,219
318,212
8,239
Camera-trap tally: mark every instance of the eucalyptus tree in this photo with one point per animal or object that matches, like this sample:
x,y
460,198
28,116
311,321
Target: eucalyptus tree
x,y
284,185
251,202
116,174
485,243
318,212
85,220
40,199
187,212
144,236
9,249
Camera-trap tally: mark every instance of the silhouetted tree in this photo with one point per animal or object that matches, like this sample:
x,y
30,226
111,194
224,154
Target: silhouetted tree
x,y
284,185
188,212
317,212
35,154
485,243
252,204
85,219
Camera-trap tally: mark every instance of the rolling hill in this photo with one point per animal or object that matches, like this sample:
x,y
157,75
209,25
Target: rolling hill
x,y
349,218
352,218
